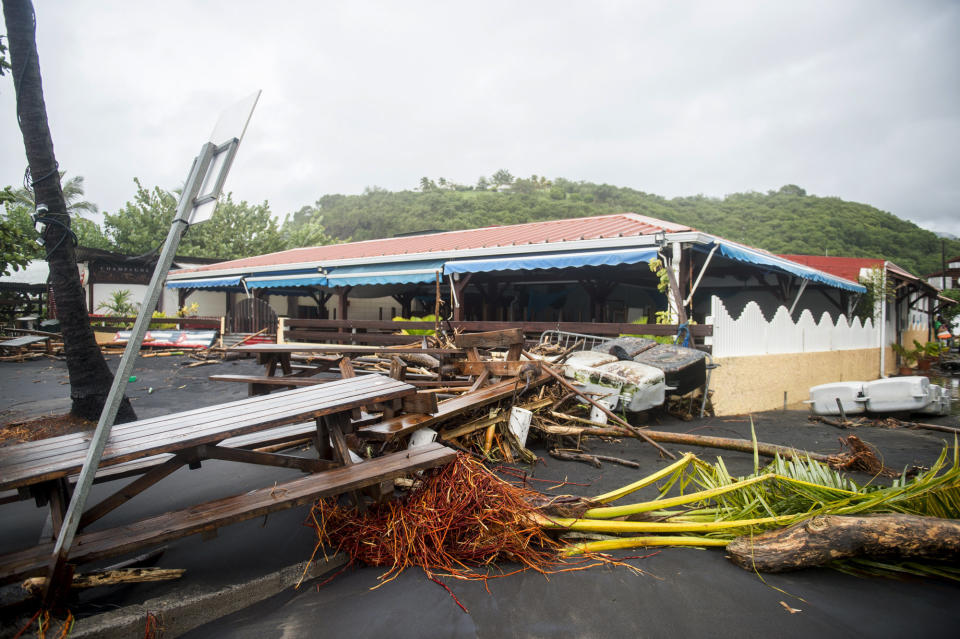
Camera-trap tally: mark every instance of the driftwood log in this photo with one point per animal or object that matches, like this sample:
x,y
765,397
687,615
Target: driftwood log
x,y
821,540
34,585
593,460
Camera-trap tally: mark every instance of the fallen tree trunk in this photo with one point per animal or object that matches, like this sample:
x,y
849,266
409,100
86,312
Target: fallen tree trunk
x,y
821,540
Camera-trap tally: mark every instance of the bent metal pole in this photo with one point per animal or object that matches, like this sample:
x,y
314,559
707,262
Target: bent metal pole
x,y
71,521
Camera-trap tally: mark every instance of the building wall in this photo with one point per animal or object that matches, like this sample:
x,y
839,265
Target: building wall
x,y
756,383
103,292
212,303
366,308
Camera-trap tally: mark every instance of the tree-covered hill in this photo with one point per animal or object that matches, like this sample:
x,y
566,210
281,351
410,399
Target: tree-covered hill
x,y
784,221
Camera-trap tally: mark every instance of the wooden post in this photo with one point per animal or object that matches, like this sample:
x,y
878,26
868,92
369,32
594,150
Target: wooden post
x,y
343,303
459,288
281,327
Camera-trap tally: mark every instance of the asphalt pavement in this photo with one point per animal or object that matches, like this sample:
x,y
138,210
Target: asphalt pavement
x,y
688,592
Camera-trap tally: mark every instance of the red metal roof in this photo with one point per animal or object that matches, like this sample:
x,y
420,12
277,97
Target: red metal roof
x,y
583,228
849,267
845,267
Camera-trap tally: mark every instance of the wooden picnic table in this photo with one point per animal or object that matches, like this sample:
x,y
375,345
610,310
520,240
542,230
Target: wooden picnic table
x,y
20,344
43,467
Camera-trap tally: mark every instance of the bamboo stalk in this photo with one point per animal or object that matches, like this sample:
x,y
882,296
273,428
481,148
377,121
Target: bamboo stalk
x,y
634,542
610,512
646,481
604,526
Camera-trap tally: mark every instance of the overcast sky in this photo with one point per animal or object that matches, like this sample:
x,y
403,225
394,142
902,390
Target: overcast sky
x,y
859,100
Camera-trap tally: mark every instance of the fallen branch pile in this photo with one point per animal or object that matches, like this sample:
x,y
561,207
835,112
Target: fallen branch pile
x,y
461,518
464,517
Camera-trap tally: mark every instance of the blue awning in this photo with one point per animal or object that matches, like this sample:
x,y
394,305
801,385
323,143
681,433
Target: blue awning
x,y
393,273
752,256
210,282
552,260
287,281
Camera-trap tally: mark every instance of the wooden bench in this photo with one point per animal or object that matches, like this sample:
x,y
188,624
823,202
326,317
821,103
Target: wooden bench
x,y
209,516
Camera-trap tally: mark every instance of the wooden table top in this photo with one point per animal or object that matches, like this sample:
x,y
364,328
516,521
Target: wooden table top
x,y
340,348
34,462
26,340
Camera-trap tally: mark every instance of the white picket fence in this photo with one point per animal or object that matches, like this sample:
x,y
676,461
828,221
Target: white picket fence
x,y
753,334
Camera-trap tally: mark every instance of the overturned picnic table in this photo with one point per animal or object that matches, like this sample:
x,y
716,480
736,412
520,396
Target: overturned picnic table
x,y
42,468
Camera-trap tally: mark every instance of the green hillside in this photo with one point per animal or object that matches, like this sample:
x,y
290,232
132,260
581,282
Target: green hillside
x,y
783,221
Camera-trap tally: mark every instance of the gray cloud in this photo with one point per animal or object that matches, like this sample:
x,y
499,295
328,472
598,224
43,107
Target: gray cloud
x,y
859,100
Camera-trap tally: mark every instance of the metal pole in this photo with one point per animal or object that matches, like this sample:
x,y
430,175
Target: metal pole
x,y
71,520
943,264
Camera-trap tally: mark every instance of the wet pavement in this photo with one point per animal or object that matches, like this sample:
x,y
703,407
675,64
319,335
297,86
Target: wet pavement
x,y
682,591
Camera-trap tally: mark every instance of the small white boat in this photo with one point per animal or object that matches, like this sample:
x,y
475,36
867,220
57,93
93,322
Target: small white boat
x,y
897,394
939,403
823,398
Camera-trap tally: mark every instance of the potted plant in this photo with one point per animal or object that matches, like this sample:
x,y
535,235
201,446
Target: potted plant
x,y
908,357
927,354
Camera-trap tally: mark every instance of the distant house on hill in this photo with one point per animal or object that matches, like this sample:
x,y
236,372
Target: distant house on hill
x,y
948,278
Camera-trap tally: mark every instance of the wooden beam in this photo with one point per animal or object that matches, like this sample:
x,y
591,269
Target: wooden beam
x,y
422,402
498,368
264,459
490,339
132,489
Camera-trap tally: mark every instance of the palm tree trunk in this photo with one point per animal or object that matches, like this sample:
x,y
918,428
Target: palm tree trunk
x,y
90,378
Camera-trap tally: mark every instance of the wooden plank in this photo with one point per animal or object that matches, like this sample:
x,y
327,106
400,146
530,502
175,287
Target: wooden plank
x,y
398,370
498,368
265,459
21,342
380,339
24,464
447,409
340,348
481,381
336,424
420,403
269,381
59,500
91,546
489,339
